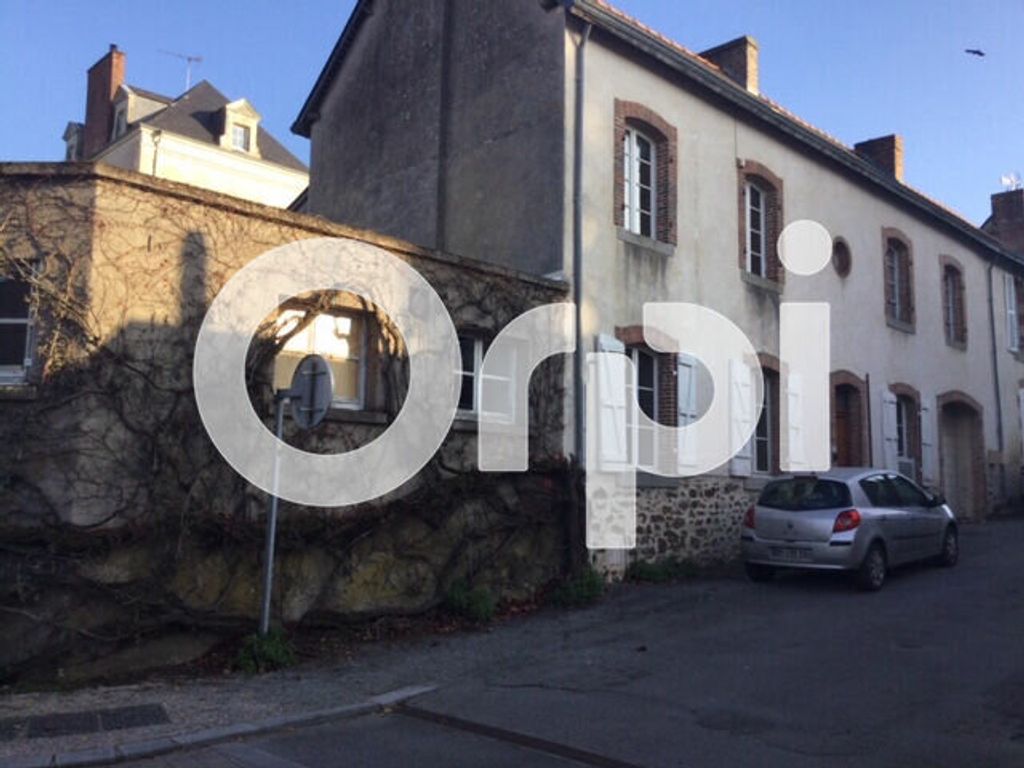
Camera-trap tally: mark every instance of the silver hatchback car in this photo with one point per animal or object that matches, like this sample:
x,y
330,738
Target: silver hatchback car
x,y
852,519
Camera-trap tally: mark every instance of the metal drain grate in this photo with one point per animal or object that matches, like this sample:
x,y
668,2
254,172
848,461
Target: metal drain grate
x,y
88,721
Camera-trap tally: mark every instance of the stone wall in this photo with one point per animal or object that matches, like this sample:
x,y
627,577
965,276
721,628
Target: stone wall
x,y
118,518
697,520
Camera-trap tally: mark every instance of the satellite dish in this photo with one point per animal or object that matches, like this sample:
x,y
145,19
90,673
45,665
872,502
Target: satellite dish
x,y
311,392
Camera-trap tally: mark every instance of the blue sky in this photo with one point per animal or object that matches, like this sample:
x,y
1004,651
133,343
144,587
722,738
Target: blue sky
x,y
855,70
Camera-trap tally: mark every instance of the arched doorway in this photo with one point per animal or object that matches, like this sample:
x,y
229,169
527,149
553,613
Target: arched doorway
x,y
962,455
848,427
849,418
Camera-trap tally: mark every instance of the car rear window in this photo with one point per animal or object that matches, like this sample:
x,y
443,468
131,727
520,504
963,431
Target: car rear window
x,y
805,493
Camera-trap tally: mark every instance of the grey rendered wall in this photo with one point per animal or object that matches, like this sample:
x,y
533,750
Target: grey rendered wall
x,y
444,127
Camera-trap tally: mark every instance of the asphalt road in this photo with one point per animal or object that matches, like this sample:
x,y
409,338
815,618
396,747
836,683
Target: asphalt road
x,y
804,671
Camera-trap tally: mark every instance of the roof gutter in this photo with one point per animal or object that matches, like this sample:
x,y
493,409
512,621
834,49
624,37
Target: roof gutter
x,y
725,89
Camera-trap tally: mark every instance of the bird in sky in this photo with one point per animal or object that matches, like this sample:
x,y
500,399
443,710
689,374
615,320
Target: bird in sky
x,y
974,51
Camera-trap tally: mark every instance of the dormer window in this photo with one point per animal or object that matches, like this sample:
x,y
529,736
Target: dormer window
x,y
120,121
241,122
240,137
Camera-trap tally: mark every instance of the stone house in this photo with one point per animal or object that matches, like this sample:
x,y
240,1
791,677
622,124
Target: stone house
x,y
200,137
119,517
562,136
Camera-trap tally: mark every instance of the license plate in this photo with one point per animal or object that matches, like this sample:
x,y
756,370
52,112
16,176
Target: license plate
x,y
791,554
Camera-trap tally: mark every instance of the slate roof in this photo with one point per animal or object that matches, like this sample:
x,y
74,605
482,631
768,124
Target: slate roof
x,y
198,114
706,73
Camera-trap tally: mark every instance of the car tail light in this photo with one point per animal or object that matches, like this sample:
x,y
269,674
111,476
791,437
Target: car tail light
x,y
748,519
846,521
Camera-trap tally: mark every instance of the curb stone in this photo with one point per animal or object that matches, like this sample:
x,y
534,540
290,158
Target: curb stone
x,y
120,753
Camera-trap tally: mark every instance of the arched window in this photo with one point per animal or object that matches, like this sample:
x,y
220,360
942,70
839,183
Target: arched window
x,y
899,284
645,173
761,220
640,193
953,310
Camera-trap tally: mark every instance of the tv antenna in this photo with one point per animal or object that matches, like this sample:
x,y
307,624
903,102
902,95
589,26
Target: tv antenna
x,y
189,61
1011,181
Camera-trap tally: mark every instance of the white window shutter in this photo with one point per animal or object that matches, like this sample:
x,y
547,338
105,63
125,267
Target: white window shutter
x,y
1020,417
795,454
613,420
929,463
686,395
741,417
890,440
1012,327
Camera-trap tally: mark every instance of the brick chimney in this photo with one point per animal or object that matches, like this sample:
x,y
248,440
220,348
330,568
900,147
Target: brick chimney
x,y
886,152
104,78
1007,222
738,60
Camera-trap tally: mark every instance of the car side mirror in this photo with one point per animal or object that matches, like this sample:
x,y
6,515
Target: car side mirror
x,y
936,500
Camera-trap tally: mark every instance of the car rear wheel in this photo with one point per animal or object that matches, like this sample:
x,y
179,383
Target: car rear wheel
x,y
950,548
759,572
871,574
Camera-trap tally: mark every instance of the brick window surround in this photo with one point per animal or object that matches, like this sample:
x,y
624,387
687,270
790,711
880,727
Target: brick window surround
x,y
952,286
751,171
897,246
630,114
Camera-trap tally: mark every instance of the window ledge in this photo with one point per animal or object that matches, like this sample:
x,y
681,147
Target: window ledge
x,y
650,480
899,325
960,345
757,482
353,416
763,283
18,391
645,243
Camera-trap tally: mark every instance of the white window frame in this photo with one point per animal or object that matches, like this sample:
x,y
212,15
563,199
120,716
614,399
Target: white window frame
x,y
342,403
770,387
246,130
903,427
632,214
16,374
896,252
478,378
640,432
1012,321
949,275
762,222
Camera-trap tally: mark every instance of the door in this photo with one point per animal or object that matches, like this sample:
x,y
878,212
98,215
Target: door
x,y
925,522
893,520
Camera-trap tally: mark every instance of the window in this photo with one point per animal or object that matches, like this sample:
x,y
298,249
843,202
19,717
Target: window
x,y
908,494
15,329
1012,296
880,491
339,338
841,260
904,406
639,192
240,137
499,381
644,195
953,314
756,230
899,292
646,365
760,219
765,445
